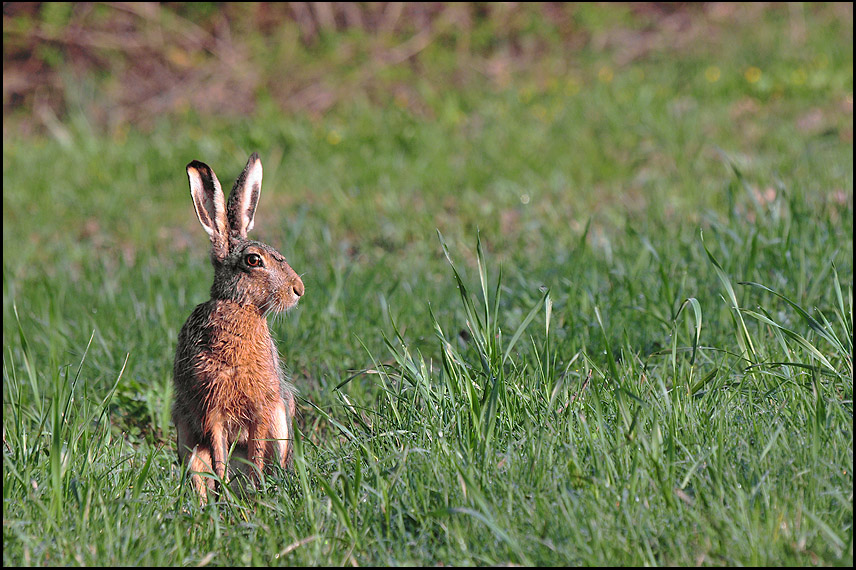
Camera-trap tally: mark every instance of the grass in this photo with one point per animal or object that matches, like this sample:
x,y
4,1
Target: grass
x,y
604,319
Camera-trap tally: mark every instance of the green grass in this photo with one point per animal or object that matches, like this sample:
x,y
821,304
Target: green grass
x,y
584,319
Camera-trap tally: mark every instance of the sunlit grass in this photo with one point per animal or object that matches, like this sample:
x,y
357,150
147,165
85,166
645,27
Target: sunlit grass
x,y
596,319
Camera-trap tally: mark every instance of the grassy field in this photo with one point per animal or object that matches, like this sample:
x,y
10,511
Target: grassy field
x,y
601,314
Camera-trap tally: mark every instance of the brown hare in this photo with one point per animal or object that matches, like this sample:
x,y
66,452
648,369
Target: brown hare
x,y
230,391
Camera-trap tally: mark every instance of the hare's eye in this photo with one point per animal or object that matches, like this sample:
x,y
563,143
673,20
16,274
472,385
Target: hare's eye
x,y
253,260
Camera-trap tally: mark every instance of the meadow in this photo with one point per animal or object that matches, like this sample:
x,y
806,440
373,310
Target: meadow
x,y
599,312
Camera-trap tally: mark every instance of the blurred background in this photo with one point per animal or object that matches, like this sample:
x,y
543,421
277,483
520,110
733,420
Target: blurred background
x,y
121,64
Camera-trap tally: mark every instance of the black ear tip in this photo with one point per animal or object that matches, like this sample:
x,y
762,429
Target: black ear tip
x,y
197,165
254,157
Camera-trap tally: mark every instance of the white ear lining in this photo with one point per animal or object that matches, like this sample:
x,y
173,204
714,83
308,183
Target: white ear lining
x,y
210,207
249,197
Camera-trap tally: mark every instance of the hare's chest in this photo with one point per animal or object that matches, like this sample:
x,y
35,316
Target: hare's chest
x,y
245,377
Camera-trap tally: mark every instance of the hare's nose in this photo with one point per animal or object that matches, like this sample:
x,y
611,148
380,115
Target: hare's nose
x,y
297,287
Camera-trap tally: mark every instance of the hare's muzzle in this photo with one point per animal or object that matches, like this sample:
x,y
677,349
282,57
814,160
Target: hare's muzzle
x,y
291,289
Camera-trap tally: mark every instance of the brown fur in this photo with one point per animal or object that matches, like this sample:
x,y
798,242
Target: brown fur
x,y
229,386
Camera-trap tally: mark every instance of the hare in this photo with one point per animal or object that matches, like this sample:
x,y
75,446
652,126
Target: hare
x,y
230,392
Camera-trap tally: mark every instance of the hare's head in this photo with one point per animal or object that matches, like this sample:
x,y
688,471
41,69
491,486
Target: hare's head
x,y
245,271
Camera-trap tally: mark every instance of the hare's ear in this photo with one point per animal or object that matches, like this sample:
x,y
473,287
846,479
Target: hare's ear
x,y
210,208
245,197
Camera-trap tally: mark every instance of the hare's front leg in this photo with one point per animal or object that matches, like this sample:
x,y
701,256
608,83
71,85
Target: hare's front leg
x,y
220,447
280,430
197,457
200,462
257,447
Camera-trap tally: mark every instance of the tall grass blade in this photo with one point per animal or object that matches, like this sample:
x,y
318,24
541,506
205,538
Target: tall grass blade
x,y
525,323
140,479
28,362
815,326
744,340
